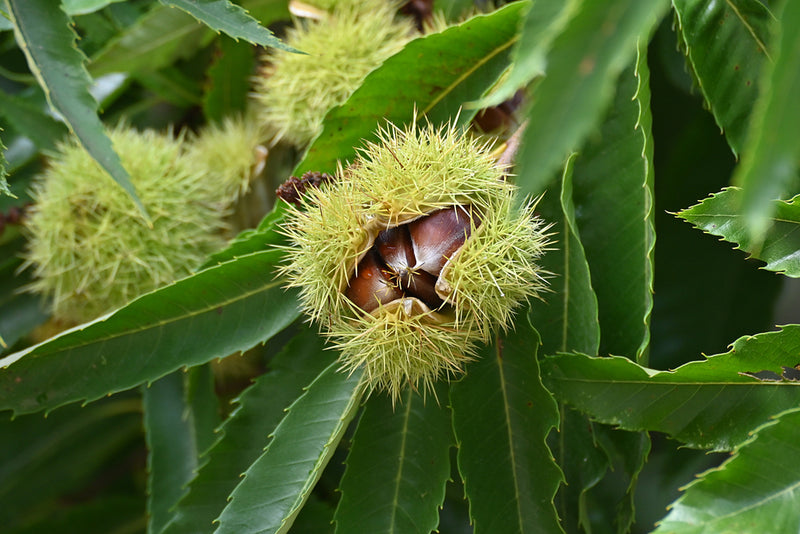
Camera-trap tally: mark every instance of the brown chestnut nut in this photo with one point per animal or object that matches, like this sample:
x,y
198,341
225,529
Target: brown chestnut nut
x,y
395,249
438,236
406,260
371,284
423,286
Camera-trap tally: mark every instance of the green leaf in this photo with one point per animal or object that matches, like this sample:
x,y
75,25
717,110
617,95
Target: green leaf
x,y
250,241
543,22
202,405
720,215
615,169
216,312
277,484
706,404
584,464
82,7
725,45
172,85
48,41
627,454
753,491
437,73
159,38
770,157
501,416
584,62
33,121
3,171
398,466
46,458
567,317
228,80
172,451
242,437
223,16
567,320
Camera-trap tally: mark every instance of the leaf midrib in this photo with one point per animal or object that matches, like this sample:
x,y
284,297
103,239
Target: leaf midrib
x,y
510,434
750,29
467,73
401,456
147,326
673,383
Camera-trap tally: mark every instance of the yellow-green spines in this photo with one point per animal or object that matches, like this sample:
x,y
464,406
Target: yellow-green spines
x,y
404,177
295,91
330,5
496,268
413,172
90,249
227,151
329,235
400,346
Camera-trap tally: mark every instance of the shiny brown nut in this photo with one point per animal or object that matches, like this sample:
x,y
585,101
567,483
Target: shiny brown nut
x,y
406,260
371,284
438,236
423,286
395,249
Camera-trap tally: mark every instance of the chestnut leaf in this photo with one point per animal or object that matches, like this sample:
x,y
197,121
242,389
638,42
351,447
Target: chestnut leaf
x,y
721,215
759,482
224,309
706,404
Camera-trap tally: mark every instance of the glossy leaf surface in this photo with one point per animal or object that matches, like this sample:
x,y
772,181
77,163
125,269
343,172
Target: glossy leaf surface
x,y
277,484
397,467
566,318
595,46
501,416
246,432
47,39
770,158
438,73
172,451
542,23
613,196
707,404
726,46
231,19
214,313
759,483
720,215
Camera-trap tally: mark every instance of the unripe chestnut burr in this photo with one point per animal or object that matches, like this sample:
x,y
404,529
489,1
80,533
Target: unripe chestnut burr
x,y
417,252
